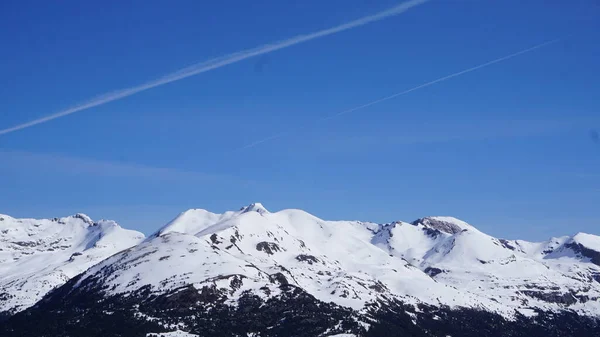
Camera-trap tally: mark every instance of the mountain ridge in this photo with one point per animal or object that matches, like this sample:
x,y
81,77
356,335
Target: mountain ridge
x,y
243,258
37,255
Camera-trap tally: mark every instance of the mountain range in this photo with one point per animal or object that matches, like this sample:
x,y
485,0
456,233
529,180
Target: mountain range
x,y
252,272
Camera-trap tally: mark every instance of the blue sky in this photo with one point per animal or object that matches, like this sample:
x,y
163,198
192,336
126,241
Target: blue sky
x,y
508,148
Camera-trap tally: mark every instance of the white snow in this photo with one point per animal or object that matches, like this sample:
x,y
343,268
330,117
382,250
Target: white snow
x,y
39,255
193,221
588,241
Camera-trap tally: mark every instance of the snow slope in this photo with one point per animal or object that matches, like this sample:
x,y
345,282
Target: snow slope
x,y
551,275
39,255
434,260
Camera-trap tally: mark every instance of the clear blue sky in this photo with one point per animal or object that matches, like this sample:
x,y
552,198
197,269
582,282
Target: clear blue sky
x,y
509,148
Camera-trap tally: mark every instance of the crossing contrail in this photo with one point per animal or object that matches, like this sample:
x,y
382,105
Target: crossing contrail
x,y
218,63
441,79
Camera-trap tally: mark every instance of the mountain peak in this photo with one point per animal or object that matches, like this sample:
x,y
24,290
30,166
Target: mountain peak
x,y
84,217
588,240
254,207
444,224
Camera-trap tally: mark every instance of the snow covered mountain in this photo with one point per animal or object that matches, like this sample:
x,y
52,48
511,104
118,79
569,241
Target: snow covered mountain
x,y
255,273
39,255
558,274
257,251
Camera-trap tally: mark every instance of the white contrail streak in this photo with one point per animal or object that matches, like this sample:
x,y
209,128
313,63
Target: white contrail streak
x,y
441,79
220,62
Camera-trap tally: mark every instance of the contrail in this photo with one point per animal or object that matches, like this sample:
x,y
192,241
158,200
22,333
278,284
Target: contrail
x,y
220,62
441,79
